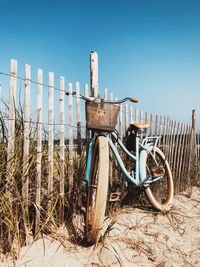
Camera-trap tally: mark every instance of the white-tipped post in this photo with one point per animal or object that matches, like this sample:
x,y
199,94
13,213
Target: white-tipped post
x,y
94,84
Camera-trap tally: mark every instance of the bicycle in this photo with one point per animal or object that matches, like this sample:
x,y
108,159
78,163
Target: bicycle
x,y
151,170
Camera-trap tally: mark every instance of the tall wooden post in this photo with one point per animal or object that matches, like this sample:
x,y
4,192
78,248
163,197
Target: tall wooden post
x,y
94,83
192,156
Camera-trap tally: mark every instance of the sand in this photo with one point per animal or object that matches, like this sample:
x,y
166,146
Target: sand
x,y
136,238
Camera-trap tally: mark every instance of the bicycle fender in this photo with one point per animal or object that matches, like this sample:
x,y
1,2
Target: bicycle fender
x,y
89,160
142,165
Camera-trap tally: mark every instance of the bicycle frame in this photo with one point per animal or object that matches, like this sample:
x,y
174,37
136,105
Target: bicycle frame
x,y
138,177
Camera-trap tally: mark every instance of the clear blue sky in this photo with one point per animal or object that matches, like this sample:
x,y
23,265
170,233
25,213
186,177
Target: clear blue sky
x,y
149,49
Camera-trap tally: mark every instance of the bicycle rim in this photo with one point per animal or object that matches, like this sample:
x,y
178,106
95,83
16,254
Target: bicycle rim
x,y
160,194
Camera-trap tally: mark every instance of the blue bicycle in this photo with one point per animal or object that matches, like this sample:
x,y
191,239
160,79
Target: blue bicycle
x,y
150,169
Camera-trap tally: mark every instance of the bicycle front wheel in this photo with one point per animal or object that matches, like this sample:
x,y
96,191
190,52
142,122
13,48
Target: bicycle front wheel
x,y
160,193
97,190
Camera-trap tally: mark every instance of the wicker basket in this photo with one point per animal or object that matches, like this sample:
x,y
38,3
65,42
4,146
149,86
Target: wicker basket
x,y
101,116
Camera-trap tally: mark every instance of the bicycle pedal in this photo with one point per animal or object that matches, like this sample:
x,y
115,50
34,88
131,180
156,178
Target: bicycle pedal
x,y
158,171
116,196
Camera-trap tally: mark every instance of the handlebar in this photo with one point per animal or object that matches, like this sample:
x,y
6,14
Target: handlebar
x,y
134,100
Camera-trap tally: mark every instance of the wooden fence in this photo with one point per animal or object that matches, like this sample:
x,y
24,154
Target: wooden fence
x,y
63,135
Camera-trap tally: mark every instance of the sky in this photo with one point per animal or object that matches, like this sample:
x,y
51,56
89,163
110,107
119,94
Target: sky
x,y
148,49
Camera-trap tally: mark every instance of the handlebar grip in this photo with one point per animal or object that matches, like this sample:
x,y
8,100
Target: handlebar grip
x,y
134,100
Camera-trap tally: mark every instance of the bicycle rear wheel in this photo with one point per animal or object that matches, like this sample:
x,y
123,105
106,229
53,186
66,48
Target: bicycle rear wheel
x,y
97,190
160,193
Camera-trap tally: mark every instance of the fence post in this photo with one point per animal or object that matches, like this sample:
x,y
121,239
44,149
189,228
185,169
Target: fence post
x,y
105,94
50,138
126,117
94,84
71,143
62,148
121,122
11,116
131,118
193,152
39,149
25,179
78,116
87,132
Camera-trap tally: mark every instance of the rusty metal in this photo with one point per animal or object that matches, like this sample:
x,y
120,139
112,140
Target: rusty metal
x,y
116,196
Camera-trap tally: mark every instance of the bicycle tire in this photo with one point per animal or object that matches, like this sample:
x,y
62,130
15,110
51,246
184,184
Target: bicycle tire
x,y
160,194
97,190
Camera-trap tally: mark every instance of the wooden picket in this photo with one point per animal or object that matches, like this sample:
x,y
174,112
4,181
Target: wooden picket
x,y
71,139
39,148
25,180
50,138
78,114
62,147
11,115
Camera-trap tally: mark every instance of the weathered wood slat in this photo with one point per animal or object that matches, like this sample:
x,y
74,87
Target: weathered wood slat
x,y
146,120
141,120
141,116
156,124
185,142
111,155
131,114
121,122
94,83
39,148
87,132
151,124
78,119
164,133
126,117
172,143
71,139
50,138
174,163
105,94
189,154
25,179
180,172
160,125
168,138
136,114
62,147
11,115
178,155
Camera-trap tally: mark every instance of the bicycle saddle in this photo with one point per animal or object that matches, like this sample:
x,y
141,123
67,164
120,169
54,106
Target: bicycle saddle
x,y
140,125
